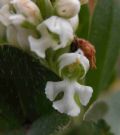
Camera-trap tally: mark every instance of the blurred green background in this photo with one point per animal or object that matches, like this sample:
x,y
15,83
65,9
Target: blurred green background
x,y
24,108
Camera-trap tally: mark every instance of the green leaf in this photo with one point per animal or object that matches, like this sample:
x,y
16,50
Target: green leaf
x,y
49,125
84,17
22,84
112,113
105,35
46,8
15,132
90,128
96,111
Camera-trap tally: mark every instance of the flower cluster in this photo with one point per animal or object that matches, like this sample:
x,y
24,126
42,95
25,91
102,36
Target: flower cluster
x,y
22,24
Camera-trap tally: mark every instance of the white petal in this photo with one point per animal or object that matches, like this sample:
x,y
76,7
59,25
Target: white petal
x,y
36,47
70,58
69,107
67,8
17,19
67,59
39,46
53,25
53,89
74,21
4,15
62,28
84,92
85,62
67,104
18,36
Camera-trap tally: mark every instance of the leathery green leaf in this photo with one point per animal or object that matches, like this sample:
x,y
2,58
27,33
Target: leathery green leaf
x,y
22,84
105,36
84,17
48,125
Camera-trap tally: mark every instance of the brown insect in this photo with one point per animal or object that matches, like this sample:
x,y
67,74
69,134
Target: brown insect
x,y
87,48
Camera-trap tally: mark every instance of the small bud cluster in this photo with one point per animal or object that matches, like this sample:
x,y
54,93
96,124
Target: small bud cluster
x,y
25,28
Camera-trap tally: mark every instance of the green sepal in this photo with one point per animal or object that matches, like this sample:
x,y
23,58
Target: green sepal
x,y
73,71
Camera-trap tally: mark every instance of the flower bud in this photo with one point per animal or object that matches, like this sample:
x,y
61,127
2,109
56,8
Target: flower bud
x,y
7,17
67,8
29,9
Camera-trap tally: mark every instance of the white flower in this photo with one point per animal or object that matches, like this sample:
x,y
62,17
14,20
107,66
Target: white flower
x,y
16,35
67,8
70,58
52,26
26,10
29,9
68,104
84,2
